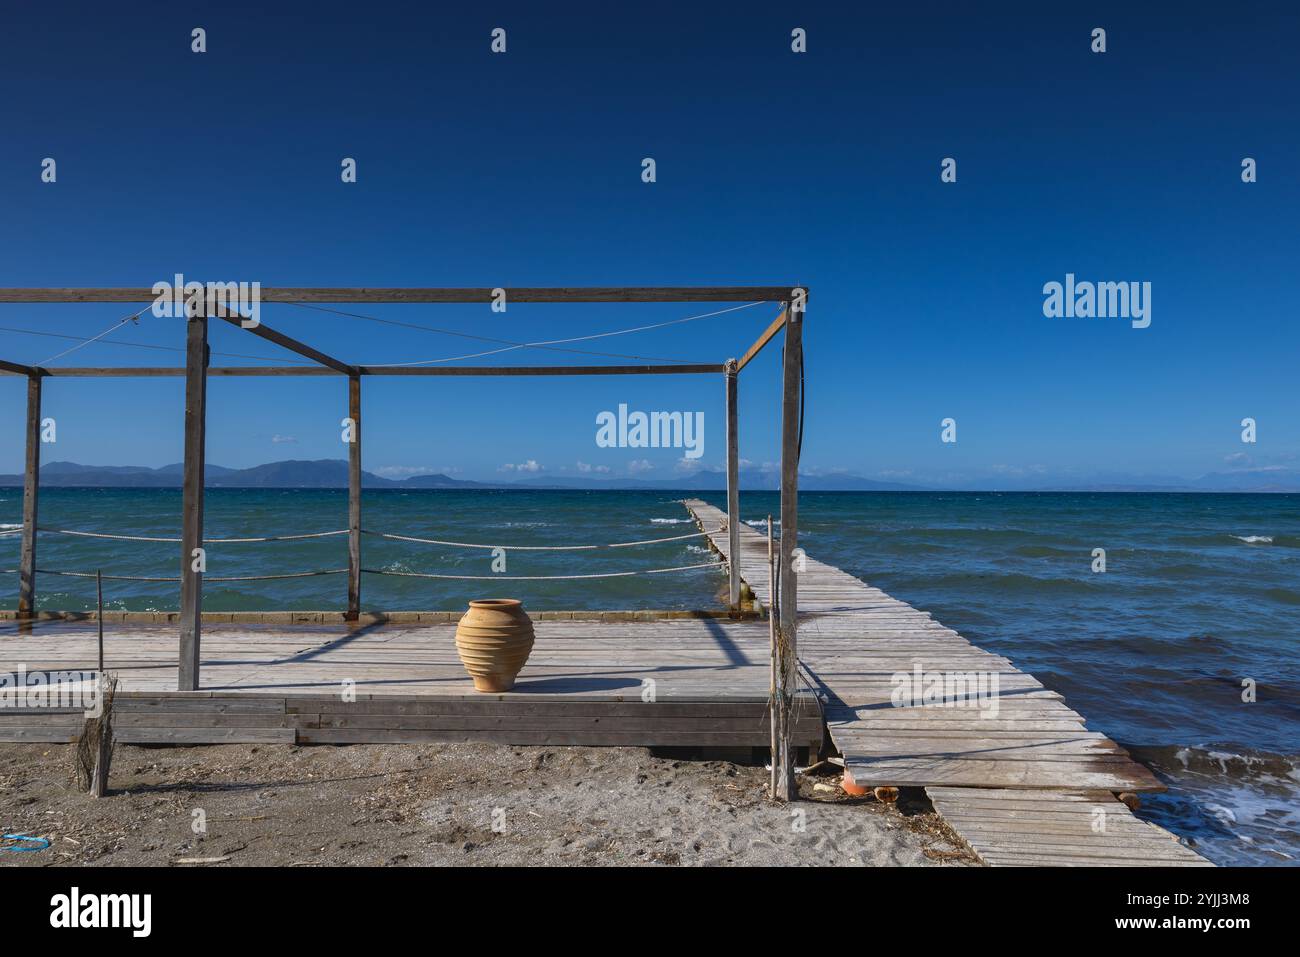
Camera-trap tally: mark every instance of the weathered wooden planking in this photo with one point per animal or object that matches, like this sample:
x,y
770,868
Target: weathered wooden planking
x,y
1012,768
205,735
588,682
1057,828
855,642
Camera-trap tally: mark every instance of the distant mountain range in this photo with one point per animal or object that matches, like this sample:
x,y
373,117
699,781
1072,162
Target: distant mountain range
x,y
333,473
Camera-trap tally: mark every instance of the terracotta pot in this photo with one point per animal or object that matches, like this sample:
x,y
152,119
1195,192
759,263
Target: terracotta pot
x,y
494,639
851,787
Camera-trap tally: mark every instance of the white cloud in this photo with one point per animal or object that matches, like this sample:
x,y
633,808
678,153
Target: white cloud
x,y
588,467
639,465
403,471
530,466
281,439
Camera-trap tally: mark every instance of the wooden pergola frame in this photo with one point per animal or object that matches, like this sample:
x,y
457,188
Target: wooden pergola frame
x,y
197,370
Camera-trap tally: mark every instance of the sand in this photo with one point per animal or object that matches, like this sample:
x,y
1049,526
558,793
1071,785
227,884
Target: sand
x,y
464,804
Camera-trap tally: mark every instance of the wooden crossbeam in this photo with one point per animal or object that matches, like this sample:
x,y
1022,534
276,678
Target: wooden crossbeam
x,y
174,371
17,369
777,325
700,369
293,345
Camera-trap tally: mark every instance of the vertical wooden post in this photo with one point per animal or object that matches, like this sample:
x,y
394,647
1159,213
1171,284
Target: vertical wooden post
x,y
773,788
99,615
788,604
196,399
354,500
31,492
733,488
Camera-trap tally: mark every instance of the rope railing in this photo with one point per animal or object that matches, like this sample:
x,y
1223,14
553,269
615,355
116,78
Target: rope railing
x,y
534,578
206,541
366,531
209,578
375,571
536,548
378,571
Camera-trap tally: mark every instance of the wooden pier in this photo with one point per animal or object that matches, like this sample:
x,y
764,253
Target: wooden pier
x,y
1020,776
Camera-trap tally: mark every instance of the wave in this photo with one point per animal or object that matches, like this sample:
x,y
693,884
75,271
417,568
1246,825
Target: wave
x,y
1286,596
1046,551
1234,763
1009,582
1202,539
671,521
1235,806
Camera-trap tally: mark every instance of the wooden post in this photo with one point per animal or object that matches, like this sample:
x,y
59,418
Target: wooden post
x,y
788,604
733,488
99,615
354,500
103,762
95,748
31,492
772,787
196,397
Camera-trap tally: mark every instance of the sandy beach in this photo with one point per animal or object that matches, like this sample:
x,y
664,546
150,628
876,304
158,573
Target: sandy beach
x,y
471,804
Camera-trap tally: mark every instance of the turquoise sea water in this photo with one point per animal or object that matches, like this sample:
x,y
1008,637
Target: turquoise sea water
x,y
1201,592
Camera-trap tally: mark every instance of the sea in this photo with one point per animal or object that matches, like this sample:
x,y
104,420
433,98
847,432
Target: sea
x,y
1185,649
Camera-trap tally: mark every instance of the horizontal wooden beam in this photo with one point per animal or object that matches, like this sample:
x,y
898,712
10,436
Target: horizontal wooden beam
x,y
17,369
779,293
268,371
543,370
293,345
777,325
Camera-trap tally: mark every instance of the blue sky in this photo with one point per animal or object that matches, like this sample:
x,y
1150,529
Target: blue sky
x,y
477,169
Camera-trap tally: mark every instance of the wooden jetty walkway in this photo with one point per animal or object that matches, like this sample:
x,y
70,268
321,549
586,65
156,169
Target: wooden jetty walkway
x,y
1018,773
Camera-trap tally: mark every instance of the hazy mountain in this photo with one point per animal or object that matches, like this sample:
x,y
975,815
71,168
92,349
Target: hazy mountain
x,y
333,473
319,473
713,480
1254,480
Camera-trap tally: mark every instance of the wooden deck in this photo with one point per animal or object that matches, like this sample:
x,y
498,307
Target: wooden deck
x,y
853,642
673,683
1024,783
1014,828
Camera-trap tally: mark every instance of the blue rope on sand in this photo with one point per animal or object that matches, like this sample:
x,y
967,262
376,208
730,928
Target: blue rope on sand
x,y
39,843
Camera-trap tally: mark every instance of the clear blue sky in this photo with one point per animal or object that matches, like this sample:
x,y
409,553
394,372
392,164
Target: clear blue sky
x,y
524,169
